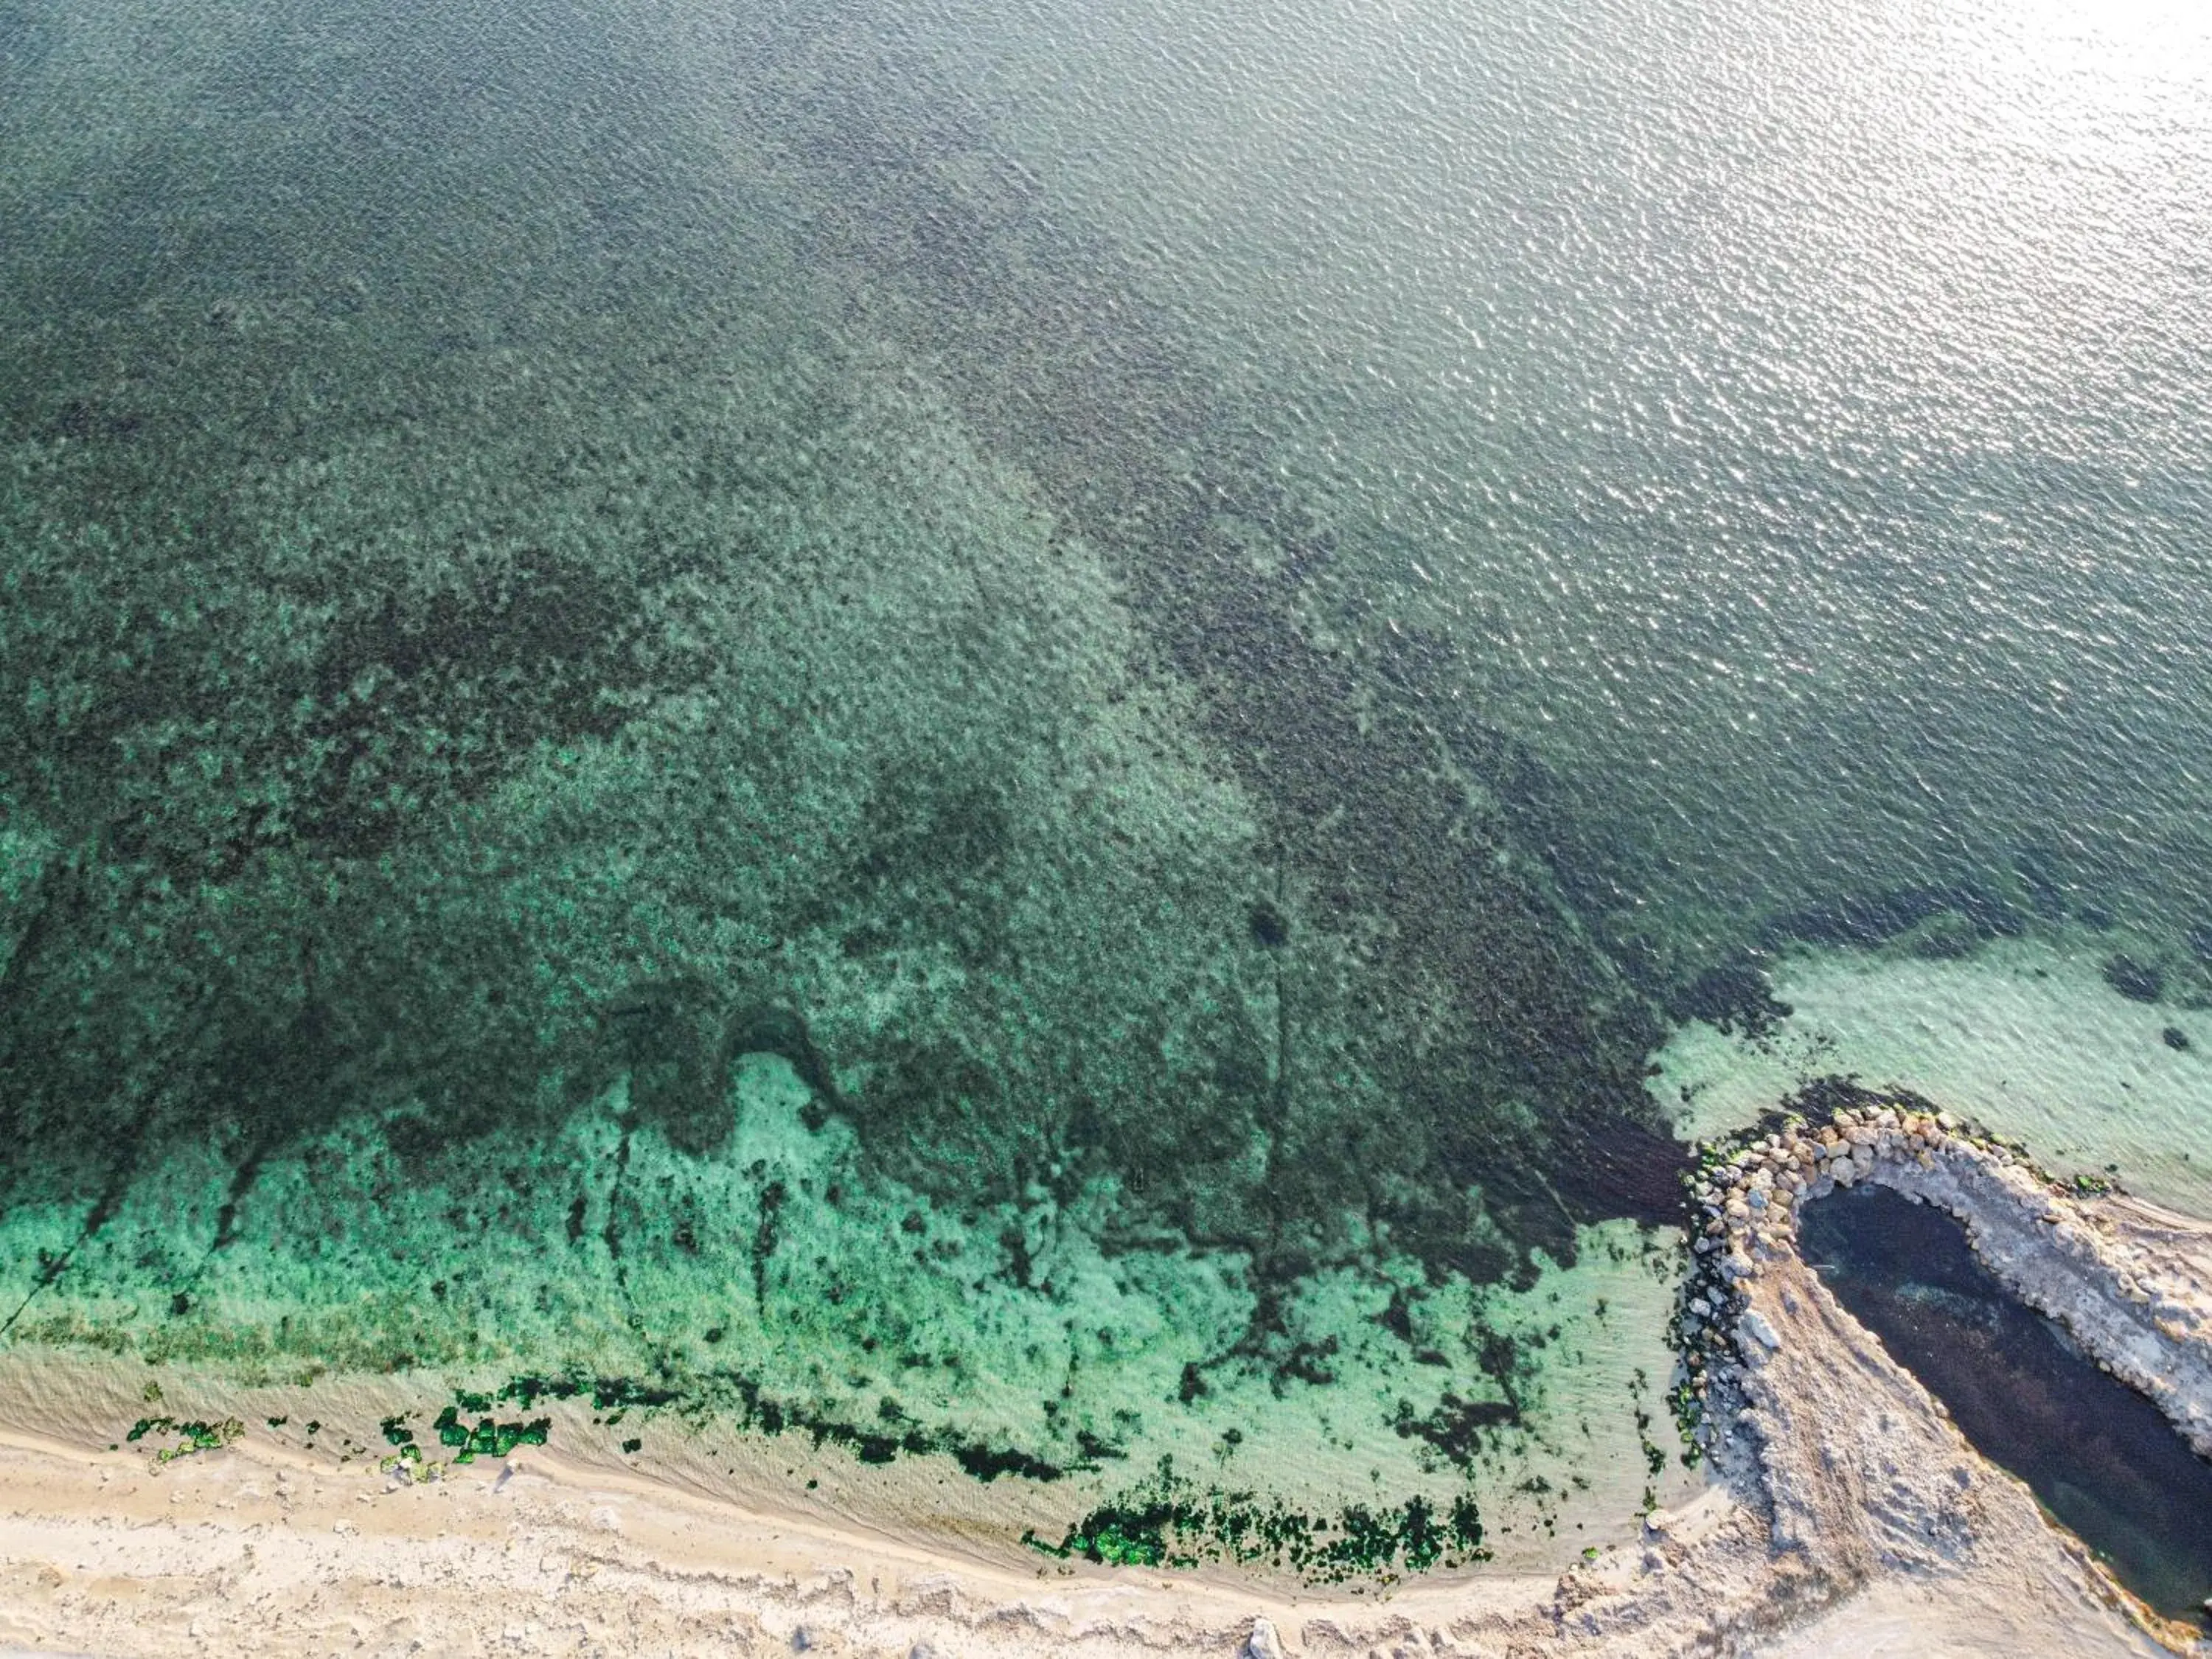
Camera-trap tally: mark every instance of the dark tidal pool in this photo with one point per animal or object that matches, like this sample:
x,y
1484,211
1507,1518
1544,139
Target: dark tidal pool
x,y
2099,1456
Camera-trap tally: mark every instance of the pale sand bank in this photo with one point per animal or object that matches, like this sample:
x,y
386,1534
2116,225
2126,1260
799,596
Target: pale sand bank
x,y
1852,1519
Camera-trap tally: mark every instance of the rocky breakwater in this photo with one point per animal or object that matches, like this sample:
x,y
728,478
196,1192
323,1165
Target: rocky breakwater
x,y
1861,1473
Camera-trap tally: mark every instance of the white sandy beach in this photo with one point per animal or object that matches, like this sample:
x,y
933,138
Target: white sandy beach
x,y
1850,1518
1842,1514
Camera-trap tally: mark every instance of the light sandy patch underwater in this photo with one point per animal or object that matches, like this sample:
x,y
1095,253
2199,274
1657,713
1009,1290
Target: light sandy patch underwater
x,y
2023,1035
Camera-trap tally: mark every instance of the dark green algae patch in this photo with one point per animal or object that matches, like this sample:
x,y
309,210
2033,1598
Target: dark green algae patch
x,y
726,1309
545,706
1169,1521
748,777
881,1443
487,1438
1164,1521
317,888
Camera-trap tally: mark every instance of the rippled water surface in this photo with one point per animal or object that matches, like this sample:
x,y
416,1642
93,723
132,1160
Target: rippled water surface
x,y
1000,733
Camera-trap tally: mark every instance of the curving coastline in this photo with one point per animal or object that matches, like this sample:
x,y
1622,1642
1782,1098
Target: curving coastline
x,y
1846,1512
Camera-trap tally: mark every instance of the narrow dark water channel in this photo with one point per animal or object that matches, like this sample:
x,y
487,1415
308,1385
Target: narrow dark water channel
x,y
2097,1454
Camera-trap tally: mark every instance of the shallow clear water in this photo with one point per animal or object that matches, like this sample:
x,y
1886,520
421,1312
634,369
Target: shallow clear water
x,y
1002,734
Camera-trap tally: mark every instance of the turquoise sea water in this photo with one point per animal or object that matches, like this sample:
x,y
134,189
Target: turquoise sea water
x,y
1003,734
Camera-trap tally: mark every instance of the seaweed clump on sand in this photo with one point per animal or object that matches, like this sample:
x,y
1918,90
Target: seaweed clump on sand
x,y
1170,1521
754,1406
193,1437
487,1437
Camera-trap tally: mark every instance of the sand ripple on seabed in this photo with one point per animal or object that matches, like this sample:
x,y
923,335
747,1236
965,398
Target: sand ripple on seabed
x,y
1850,1516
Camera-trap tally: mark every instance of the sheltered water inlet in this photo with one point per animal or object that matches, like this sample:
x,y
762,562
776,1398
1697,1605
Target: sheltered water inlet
x,y
2098,1456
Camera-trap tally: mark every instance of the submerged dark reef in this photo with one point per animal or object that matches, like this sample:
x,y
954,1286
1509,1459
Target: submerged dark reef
x,y
266,771
1508,1044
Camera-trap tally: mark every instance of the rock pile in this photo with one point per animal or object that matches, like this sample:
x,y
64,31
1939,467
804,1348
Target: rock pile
x,y
1744,1206
2144,1319
1748,1200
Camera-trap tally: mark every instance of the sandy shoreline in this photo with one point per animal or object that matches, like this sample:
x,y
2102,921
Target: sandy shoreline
x,y
1848,1515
